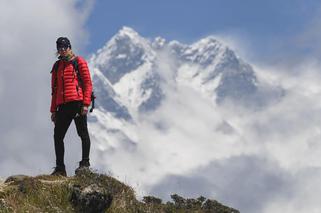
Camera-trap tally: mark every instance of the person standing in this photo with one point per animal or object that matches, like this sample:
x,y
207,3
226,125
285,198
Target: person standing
x,y
71,96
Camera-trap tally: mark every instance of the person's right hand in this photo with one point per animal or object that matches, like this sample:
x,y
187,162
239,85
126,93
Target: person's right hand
x,y
53,117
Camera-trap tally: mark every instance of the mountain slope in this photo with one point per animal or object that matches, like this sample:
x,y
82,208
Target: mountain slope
x,y
214,68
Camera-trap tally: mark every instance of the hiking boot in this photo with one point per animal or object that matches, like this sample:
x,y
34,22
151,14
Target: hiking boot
x,y
83,166
59,171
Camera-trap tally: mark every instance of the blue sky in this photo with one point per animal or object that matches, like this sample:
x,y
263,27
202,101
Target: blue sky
x,y
267,26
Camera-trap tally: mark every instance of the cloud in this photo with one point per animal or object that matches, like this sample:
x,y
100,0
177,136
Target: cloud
x,y
27,52
245,182
254,160
303,197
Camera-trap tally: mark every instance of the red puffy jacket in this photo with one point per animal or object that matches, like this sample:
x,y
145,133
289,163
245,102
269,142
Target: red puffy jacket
x,y
65,85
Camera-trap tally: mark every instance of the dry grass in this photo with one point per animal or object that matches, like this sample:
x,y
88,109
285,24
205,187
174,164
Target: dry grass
x,y
54,194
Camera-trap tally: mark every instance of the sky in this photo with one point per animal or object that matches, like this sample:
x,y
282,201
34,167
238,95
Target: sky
x,y
266,28
279,38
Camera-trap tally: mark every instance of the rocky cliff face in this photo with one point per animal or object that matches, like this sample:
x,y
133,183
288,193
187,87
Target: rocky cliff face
x,y
91,193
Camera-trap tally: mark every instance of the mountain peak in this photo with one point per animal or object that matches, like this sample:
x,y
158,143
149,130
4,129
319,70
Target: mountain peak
x,y
210,39
127,31
127,36
209,43
158,42
126,39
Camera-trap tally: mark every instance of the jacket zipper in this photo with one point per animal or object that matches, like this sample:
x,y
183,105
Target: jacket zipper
x,y
74,77
77,88
63,82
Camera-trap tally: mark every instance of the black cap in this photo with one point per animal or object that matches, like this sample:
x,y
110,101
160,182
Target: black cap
x,y
63,42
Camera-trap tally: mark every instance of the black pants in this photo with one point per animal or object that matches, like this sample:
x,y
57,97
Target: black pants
x,y
65,114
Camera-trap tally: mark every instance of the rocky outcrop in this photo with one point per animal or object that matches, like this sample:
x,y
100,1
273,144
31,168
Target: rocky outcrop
x,y
91,193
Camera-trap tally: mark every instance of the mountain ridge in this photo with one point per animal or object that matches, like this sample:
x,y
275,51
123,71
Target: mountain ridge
x,y
131,66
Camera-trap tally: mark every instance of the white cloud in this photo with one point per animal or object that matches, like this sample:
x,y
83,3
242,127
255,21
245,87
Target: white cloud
x,y
287,133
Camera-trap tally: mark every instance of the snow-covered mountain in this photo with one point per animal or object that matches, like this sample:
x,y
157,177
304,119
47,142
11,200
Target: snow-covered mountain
x,y
214,68
133,76
128,73
125,75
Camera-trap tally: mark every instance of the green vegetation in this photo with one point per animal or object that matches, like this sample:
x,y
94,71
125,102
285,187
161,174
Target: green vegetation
x,y
91,192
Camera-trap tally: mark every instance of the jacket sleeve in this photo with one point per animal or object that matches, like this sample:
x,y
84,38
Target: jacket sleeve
x,y
86,79
53,106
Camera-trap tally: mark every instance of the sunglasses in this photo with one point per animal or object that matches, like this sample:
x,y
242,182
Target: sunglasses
x,y
62,48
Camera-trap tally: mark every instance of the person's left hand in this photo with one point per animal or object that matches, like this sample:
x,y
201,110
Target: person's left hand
x,y
84,110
